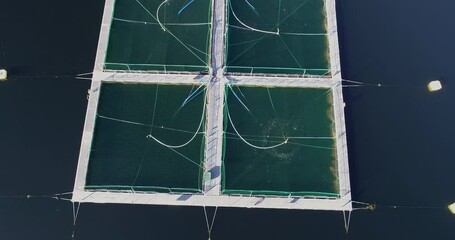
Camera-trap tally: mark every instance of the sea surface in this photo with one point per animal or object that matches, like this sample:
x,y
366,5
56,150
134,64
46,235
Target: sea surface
x,y
400,136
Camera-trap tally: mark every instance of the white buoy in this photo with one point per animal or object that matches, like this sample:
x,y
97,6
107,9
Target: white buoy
x,y
3,75
452,208
434,86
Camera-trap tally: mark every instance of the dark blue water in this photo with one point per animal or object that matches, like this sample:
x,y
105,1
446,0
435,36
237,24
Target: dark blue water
x,y
400,137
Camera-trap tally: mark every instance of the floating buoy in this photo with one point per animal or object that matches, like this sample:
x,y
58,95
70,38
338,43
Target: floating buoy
x,y
434,86
452,208
3,75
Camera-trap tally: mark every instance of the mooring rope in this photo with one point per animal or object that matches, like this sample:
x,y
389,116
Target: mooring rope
x,y
250,144
194,135
271,102
82,76
144,151
158,16
146,125
155,23
192,95
283,33
292,143
290,52
251,28
185,6
56,196
232,90
244,42
209,226
121,120
362,84
246,50
187,158
276,136
292,13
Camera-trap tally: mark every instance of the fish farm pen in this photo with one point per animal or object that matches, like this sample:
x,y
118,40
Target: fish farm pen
x,y
225,103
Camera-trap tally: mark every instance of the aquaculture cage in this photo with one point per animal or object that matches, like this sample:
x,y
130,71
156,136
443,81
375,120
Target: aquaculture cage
x,y
277,37
159,36
216,103
138,137
280,141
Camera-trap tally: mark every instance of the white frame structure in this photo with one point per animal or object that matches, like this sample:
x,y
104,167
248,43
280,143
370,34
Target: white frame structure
x,y
216,81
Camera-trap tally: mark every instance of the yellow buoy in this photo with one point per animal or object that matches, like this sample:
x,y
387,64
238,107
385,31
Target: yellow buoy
x,y
452,208
434,86
3,75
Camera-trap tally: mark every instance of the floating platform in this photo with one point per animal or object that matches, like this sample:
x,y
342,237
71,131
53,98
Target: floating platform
x,y
209,104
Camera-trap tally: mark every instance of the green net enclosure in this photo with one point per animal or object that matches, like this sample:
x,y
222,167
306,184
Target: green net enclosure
x,y
279,141
159,35
281,37
148,137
